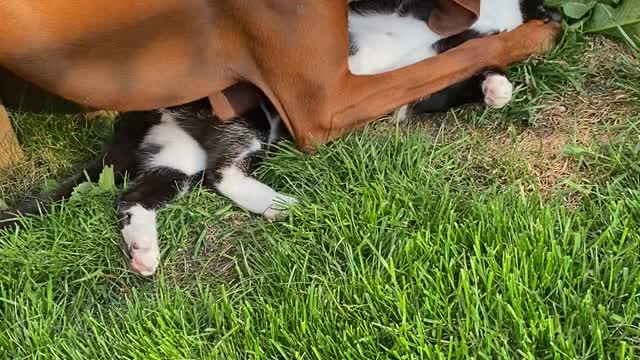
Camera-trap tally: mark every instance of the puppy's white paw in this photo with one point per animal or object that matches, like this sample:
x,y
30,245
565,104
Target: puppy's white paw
x,y
141,237
279,206
144,261
497,90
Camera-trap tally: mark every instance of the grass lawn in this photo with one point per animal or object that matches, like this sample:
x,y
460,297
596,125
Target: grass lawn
x,y
477,233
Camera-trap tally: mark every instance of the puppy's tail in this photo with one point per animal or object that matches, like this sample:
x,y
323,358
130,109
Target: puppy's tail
x,y
120,153
39,204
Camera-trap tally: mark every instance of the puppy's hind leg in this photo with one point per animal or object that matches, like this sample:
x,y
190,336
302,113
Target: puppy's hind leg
x,y
137,214
252,195
233,181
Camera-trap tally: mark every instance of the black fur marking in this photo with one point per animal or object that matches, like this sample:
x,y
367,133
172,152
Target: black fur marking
x,y
534,10
353,47
450,42
155,188
419,9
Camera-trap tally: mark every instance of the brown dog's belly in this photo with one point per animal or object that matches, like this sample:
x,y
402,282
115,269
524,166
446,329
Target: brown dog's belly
x,y
100,54
108,87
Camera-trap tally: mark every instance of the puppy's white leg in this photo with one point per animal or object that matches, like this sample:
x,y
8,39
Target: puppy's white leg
x,y
497,90
252,195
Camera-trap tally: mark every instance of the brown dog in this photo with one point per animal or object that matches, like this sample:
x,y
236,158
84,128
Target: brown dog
x,y
144,54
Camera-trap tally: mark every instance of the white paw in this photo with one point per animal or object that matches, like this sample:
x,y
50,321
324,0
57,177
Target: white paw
x,y
141,237
144,261
279,206
497,90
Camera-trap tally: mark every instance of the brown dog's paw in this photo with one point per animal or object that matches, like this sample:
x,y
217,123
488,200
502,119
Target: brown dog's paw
x,y
536,37
547,36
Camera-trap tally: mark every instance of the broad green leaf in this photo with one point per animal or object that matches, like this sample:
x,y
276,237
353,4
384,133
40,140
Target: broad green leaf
x,y
618,18
612,20
81,191
577,9
107,180
50,184
106,184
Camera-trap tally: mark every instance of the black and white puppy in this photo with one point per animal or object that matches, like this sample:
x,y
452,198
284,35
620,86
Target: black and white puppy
x,y
389,34
164,153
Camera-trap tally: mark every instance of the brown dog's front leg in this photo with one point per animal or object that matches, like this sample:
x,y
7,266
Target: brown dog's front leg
x,y
358,100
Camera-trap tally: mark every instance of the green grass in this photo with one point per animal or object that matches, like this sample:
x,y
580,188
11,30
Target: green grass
x,y
53,145
427,240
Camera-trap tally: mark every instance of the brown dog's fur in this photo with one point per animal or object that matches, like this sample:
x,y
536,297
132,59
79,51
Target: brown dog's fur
x,y
144,54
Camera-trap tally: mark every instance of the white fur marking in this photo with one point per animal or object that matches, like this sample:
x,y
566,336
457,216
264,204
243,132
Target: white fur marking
x,y
274,123
252,195
388,42
178,149
141,237
255,146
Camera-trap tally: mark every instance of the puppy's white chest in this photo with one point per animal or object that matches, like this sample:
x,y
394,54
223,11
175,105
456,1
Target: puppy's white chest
x,y
387,42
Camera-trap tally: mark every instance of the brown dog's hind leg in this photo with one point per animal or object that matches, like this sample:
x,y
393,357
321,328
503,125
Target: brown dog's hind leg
x,y
306,75
368,97
319,111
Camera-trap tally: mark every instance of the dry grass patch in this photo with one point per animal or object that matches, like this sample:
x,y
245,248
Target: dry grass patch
x,y
541,156
209,254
